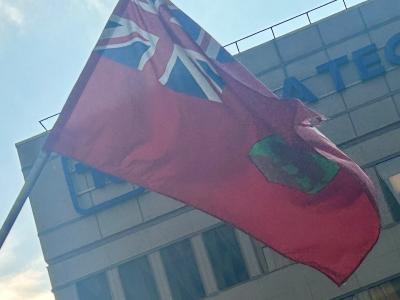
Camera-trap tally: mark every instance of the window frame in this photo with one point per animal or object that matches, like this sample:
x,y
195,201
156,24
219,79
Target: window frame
x,y
246,267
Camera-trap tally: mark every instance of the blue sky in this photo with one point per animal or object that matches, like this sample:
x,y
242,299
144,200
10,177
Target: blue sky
x,y
43,48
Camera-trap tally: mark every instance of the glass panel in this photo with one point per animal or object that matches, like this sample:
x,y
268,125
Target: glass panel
x,y
226,257
182,272
395,182
391,200
389,291
377,294
388,172
138,281
94,288
392,289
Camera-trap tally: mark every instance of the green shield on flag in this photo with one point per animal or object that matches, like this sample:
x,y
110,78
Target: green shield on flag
x,y
305,170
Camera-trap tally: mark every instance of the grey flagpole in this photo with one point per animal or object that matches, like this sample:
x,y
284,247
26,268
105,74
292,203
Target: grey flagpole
x,y
30,181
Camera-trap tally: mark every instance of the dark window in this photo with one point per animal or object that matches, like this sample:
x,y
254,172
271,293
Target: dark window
x,y
226,257
182,272
138,281
94,288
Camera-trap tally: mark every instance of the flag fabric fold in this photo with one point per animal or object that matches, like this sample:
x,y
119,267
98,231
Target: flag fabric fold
x,y
161,104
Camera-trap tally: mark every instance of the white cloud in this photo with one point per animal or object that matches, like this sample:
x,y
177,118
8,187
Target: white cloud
x,y
31,283
10,13
97,5
7,253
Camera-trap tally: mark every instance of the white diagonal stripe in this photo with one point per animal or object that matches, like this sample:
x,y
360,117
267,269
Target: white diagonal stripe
x,y
198,76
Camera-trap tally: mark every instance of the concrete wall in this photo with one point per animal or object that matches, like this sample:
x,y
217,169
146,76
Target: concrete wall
x,y
363,118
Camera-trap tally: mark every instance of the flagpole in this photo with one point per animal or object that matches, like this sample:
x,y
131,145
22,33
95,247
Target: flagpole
x,y
23,195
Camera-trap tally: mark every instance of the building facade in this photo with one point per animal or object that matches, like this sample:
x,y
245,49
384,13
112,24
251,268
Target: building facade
x,y
105,239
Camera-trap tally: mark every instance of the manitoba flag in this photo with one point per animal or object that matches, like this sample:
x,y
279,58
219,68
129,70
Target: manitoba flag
x,y
161,104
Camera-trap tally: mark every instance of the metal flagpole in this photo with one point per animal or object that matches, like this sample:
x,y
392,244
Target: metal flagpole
x,y
23,195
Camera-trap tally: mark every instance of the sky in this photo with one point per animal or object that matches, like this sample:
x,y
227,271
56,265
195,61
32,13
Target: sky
x,y
44,45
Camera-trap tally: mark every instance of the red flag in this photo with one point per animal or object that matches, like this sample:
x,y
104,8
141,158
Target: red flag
x,y
164,106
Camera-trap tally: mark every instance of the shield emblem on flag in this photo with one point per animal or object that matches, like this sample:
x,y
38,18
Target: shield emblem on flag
x,y
307,171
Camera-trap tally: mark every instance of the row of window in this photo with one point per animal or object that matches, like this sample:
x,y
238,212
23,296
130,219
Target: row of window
x,y
138,280
389,290
227,262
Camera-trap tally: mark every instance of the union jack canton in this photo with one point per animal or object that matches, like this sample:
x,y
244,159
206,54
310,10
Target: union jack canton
x,y
173,47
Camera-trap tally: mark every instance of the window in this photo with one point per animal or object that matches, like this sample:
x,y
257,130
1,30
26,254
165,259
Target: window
x,y
389,290
390,199
85,184
389,182
395,183
138,281
94,288
182,272
225,255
